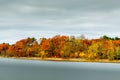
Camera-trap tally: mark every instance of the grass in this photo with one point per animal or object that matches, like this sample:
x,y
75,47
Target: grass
x,y
67,60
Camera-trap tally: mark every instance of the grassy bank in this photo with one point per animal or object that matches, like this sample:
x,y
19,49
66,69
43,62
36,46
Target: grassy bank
x,y
66,59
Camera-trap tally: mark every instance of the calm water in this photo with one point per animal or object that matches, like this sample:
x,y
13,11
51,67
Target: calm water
x,y
12,69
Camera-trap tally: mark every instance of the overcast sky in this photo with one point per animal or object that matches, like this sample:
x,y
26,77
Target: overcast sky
x,y
46,18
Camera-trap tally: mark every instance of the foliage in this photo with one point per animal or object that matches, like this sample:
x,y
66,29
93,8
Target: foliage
x,y
64,47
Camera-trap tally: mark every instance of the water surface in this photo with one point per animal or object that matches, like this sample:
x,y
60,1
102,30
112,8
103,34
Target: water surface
x,y
15,69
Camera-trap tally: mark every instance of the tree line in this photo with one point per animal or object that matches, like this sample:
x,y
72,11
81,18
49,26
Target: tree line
x,y
62,46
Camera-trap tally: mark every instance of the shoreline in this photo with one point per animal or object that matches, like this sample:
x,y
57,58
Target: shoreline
x,y
65,59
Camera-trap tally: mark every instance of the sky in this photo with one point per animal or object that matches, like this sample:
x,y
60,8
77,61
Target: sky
x,y
46,18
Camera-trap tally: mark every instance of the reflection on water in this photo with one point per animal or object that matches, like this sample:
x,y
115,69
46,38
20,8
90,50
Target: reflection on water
x,y
12,69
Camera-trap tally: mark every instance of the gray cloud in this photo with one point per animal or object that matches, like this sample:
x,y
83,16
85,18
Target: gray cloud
x,y
60,16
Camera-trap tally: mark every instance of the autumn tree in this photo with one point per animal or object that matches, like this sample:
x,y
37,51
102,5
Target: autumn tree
x,y
22,47
11,51
46,46
58,42
94,50
3,49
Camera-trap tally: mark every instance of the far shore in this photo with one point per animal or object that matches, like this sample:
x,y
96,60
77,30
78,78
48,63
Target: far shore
x,y
65,59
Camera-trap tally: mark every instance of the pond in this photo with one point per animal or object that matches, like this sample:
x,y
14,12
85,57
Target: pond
x,y
16,69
